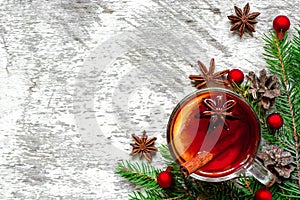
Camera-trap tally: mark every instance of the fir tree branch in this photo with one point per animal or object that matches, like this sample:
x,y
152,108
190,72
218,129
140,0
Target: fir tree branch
x,y
141,174
279,57
247,185
290,104
286,87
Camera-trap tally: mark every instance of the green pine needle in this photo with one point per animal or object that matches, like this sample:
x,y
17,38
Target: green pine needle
x,y
165,153
139,173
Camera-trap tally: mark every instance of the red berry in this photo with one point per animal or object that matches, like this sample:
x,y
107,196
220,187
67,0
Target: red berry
x,y
275,121
281,24
235,75
263,194
164,179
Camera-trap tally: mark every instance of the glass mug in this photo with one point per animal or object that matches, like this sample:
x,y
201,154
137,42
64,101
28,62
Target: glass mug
x,y
214,134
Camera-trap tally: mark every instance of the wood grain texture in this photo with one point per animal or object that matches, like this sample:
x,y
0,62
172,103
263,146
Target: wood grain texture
x,y
77,77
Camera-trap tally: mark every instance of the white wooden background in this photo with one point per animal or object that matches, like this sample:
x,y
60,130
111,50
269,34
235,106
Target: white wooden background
x,y
78,77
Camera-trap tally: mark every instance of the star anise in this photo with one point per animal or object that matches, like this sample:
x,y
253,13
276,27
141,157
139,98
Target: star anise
x,y
143,146
219,111
209,78
243,20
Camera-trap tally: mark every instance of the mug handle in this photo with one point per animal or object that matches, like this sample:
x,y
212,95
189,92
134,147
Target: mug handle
x,y
259,172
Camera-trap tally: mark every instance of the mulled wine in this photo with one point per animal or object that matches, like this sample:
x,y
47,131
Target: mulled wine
x,y
216,121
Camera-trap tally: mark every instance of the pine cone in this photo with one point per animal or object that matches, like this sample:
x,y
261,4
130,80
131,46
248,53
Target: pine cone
x,y
263,89
277,160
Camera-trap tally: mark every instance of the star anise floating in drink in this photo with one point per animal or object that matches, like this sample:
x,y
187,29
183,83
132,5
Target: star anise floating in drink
x,y
143,146
243,20
209,77
219,111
